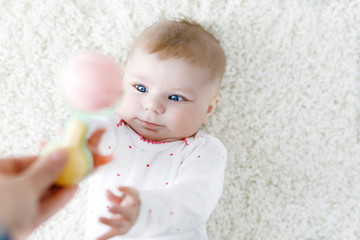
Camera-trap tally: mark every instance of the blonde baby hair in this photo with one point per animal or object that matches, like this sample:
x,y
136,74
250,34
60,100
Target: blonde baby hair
x,y
187,40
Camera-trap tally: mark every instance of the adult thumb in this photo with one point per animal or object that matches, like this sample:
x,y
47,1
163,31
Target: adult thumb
x,y
43,172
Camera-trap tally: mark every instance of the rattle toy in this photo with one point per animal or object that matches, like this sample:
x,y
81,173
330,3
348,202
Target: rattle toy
x,y
90,83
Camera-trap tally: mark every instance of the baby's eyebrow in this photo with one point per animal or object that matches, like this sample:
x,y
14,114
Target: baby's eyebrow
x,y
145,79
184,91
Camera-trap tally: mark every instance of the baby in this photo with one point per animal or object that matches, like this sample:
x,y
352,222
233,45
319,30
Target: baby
x,y
169,172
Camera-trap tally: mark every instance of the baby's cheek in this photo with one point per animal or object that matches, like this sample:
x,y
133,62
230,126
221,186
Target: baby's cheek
x,y
127,105
178,118
185,122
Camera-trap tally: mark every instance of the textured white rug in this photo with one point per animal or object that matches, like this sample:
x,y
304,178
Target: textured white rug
x,y
289,113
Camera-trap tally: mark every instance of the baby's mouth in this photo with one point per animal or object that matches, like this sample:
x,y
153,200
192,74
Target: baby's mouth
x,y
148,124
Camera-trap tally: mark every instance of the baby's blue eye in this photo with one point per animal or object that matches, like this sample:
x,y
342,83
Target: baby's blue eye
x,y
140,88
176,98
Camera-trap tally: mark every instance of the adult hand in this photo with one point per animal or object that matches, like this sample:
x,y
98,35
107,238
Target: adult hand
x,y
27,195
125,211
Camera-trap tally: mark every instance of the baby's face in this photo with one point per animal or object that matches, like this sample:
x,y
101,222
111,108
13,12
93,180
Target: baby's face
x,y
165,100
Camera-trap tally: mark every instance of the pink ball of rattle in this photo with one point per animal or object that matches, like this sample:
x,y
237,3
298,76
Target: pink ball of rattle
x,y
91,82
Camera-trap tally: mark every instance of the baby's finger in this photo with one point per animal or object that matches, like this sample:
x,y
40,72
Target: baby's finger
x,y
100,160
92,144
108,235
130,191
94,139
118,227
113,222
126,212
113,198
132,197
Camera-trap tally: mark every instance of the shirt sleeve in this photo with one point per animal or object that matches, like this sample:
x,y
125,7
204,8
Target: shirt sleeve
x,y
4,235
192,198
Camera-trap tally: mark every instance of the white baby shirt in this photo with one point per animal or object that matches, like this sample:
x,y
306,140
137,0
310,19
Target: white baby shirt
x,y
179,182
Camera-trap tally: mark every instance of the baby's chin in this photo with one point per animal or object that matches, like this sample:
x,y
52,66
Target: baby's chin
x,y
153,136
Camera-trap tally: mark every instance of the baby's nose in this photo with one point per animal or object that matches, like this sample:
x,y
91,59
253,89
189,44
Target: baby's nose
x,y
154,104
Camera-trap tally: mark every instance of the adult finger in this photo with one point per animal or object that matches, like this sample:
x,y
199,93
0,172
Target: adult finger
x,y
15,165
58,199
53,202
43,173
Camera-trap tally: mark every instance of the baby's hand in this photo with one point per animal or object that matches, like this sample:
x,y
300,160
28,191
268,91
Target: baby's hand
x,y
125,211
93,144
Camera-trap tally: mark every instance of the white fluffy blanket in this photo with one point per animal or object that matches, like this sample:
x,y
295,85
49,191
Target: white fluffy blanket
x,y
289,113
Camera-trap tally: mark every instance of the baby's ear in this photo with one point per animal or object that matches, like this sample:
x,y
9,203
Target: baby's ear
x,y
211,108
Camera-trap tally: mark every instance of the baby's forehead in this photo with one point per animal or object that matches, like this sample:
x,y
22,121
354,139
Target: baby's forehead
x,y
141,50
195,54
177,71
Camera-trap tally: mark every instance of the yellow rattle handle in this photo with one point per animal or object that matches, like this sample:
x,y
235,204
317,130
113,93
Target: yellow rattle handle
x,y
79,162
